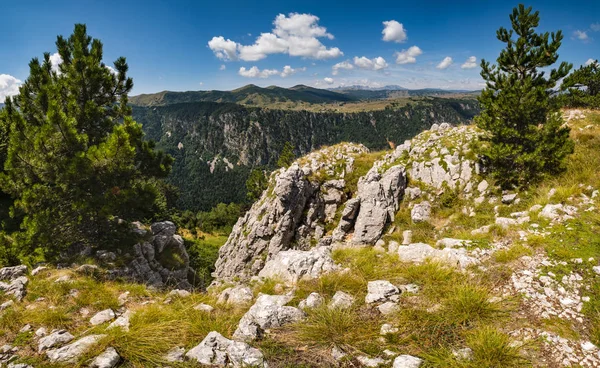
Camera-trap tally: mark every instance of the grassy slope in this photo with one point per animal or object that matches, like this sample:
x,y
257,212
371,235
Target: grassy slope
x,y
452,310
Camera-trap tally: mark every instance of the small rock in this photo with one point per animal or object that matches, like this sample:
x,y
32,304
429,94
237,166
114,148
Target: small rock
x,y
121,322
70,353
54,339
509,198
25,328
108,359
407,361
41,332
175,355
370,362
102,317
409,288
204,308
381,291
337,353
388,329
341,300
505,222
6,304
314,300
38,270
237,295
64,278
388,308
421,212
406,237
179,293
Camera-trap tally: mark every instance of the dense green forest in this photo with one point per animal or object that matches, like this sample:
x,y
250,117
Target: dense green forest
x,y
215,145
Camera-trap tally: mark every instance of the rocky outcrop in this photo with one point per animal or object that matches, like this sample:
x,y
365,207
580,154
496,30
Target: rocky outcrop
x,y
161,259
292,213
70,353
13,281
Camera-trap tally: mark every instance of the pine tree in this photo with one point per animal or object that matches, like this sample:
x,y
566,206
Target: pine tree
x,y
525,137
257,182
583,86
287,156
76,162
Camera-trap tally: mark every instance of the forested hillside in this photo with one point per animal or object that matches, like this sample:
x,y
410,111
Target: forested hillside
x,y
216,144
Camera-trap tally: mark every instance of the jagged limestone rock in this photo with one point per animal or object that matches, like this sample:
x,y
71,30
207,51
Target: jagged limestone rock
x,y
407,361
269,311
102,317
56,338
237,295
421,212
381,291
291,266
148,265
379,196
16,287
108,359
11,273
291,214
314,300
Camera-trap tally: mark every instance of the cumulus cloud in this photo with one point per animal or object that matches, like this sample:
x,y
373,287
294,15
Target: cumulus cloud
x,y
589,62
9,86
470,63
343,65
254,72
580,35
328,80
295,34
222,67
223,49
55,61
445,63
595,27
393,31
408,56
377,63
288,70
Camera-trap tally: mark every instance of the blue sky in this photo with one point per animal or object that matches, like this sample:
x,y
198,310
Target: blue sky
x,y
167,42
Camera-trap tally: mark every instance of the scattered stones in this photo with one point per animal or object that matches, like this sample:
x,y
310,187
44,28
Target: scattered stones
x,y
237,295
102,317
16,287
268,311
370,362
292,266
421,212
314,300
419,252
388,329
406,237
216,350
108,359
178,293
70,353
388,308
381,291
452,243
341,300
509,198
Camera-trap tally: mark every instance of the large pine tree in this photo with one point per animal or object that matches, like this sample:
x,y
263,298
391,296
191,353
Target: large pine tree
x,y
75,161
525,137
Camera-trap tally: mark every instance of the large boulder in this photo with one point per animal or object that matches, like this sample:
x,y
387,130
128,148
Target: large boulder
x,y
269,311
216,350
291,266
161,259
11,273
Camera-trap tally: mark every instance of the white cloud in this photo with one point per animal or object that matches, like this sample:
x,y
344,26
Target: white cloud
x,y
408,56
222,67
377,63
112,70
288,70
55,61
589,62
445,63
295,35
328,80
223,49
595,27
470,63
9,86
393,31
254,72
343,65
580,35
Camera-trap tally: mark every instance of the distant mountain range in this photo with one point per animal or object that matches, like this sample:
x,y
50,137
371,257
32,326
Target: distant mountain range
x,y
247,95
254,95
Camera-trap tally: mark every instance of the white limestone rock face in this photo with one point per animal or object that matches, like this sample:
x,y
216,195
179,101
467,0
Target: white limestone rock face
x,y
70,353
291,214
216,350
268,311
291,266
379,199
13,281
